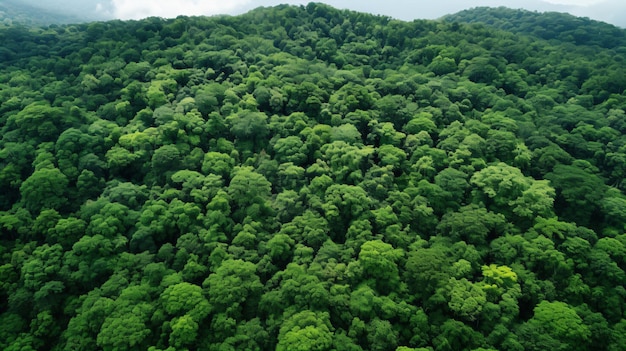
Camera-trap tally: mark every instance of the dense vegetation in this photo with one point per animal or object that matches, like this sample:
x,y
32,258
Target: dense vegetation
x,y
303,178
561,27
14,12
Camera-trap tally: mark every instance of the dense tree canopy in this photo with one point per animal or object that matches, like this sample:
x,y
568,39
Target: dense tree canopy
x,y
306,178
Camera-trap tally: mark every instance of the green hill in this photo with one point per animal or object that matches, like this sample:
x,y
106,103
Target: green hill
x,y
305,178
560,27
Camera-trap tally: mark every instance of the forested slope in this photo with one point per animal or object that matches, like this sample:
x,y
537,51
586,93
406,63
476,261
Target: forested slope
x,y
561,27
304,178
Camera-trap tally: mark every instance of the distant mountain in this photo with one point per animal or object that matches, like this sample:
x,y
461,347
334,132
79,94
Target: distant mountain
x,y
87,10
548,25
16,12
610,11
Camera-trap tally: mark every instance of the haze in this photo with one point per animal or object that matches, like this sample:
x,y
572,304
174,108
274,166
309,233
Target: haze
x,y
611,11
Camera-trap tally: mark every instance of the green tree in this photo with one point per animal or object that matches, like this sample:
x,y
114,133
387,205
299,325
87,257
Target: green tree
x,y
442,65
381,336
45,188
344,203
250,191
505,189
578,192
347,162
379,263
466,300
39,121
427,269
184,331
248,126
555,325
126,327
234,288
306,330
290,149
185,299
310,228
472,224
165,160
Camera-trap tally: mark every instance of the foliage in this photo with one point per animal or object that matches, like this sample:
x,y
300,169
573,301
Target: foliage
x,y
307,178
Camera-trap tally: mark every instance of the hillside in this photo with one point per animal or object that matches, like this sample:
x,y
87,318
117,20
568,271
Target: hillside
x,y
561,27
305,178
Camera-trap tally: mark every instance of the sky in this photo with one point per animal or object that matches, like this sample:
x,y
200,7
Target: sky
x,y
611,11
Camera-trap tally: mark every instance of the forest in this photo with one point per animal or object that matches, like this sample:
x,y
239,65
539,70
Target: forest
x,y
307,178
16,13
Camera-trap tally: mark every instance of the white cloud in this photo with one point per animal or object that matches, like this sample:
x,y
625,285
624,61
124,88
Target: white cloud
x,y
136,9
575,2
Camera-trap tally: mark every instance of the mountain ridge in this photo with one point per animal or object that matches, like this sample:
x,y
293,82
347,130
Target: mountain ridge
x,y
307,178
545,25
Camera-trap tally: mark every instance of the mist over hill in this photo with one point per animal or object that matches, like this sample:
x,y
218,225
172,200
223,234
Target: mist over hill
x,y
85,10
13,12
